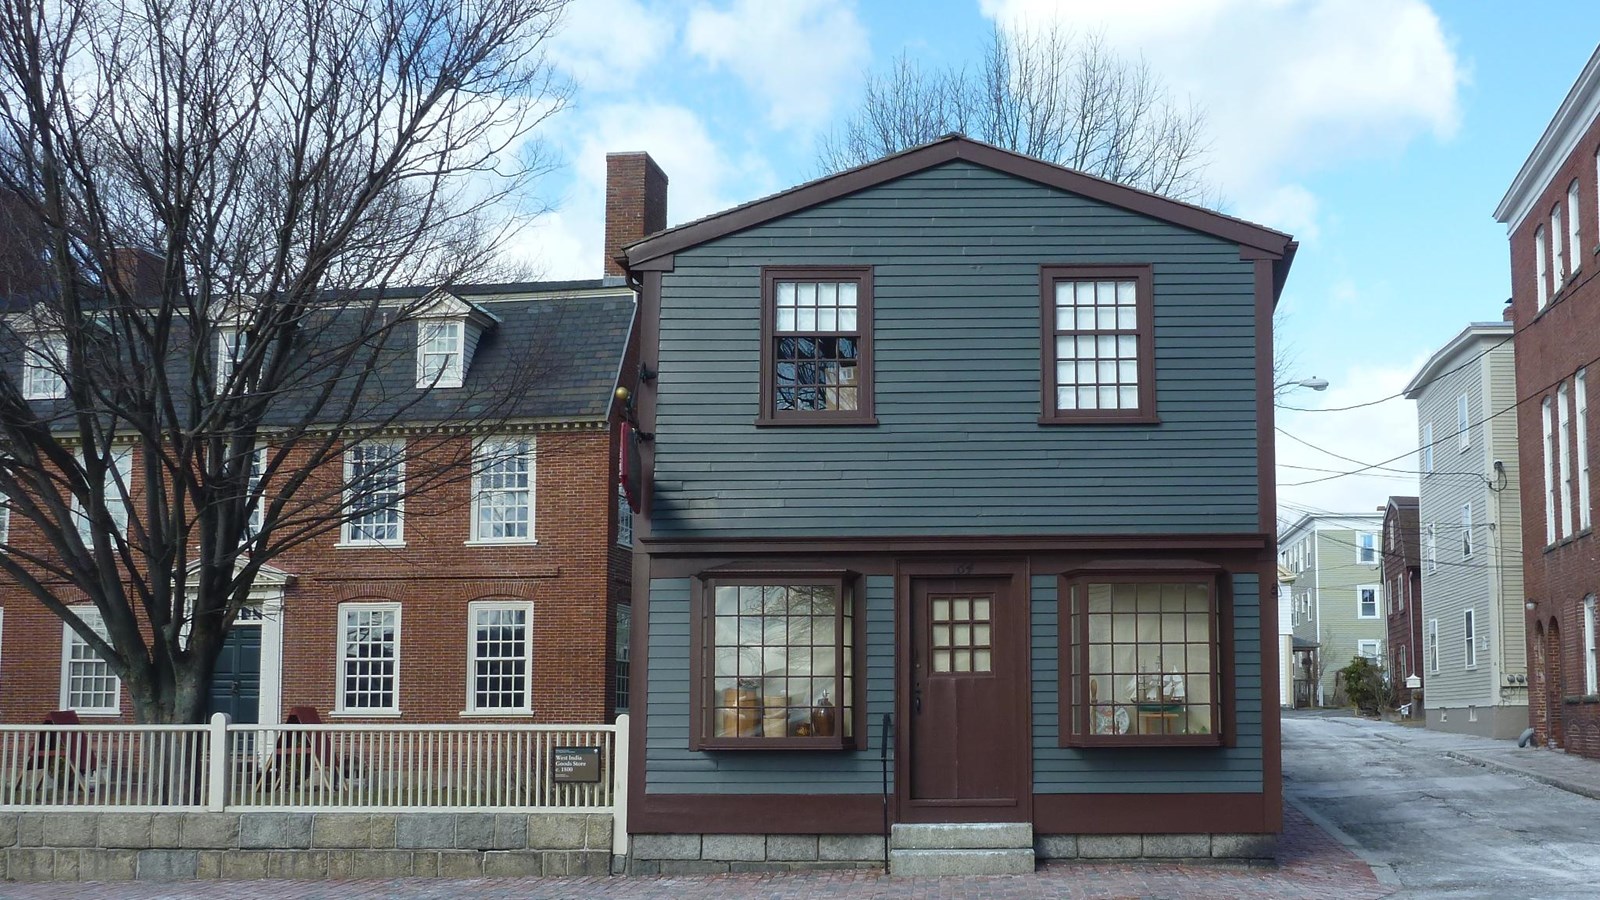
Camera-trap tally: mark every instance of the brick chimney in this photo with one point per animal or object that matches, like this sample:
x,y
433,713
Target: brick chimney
x,y
135,270
636,202
1508,314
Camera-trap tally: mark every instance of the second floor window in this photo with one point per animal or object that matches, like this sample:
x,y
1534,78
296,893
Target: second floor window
x,y
1466,530
1366,548
118,485
42,364
624,519
816,345
374,478
1098,344
1469,627
1432,547
1580,397
1564,458
439,353
502,496
1367,601
369,658
1552,496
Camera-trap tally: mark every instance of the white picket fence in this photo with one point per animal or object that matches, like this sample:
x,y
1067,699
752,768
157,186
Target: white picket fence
x,y
329,767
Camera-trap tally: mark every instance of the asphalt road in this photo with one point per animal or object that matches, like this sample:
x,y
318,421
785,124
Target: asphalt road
x,y
1444,827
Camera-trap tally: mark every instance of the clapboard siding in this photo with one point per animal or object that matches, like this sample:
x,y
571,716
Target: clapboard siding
x,y
955,252
670,767
1059,770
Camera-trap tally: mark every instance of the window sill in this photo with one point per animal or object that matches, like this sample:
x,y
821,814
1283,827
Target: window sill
x,y
370,545
365,714
497,714
777,743
1100,419
1084,742
98,713
501,542
816,420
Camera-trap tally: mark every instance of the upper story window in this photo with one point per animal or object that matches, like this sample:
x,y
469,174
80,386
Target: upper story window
x,y
118,485
1574,231
816,346
43,361
502,658
1367,601
1541,277
1558,259
1463,424
1580,397
1366,548
1432,638
87,682
502,490
624,519
1469,626
1431,547
1552,494
1098,351
439,353
369,658
1427,448
1466,530
374,479
1564,455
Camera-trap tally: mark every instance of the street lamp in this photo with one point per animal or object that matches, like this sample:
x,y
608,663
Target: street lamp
x,y
1314,383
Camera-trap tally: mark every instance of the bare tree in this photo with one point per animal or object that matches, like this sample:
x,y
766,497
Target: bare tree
x,y
207,201
1047,93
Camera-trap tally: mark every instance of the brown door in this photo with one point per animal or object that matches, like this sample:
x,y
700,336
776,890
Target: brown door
x,y
967,697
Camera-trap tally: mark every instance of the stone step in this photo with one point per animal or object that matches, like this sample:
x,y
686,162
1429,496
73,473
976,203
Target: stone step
x,y
963,836
1011,861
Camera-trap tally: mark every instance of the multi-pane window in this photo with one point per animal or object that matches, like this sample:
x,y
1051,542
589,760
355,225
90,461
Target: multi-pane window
x,y
1366,548
1590,685
1574,240
502,658
1433,645
1564,455
1142,660
1432,547
231,343
1580,398
817,351
1552,496
258,512
1541,278
1466,530
1463,424
43,361
624,657
1558,260
374,478
502,494
1469,625
1367,601
87,683
369,658
1097,349
624,518
118,482
439,353
5,518
1427,448
779,656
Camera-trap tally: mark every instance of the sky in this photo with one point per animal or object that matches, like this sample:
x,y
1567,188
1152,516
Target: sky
x,y
1380,133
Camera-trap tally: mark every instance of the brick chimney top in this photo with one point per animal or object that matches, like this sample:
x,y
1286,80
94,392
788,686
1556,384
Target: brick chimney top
x,y
636,202
1508,314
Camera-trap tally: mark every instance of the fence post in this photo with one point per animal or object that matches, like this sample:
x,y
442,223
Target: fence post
x,y
619,789
217,759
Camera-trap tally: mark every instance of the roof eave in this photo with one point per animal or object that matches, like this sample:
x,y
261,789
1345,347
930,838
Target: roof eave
x,y
1474,331
1570,122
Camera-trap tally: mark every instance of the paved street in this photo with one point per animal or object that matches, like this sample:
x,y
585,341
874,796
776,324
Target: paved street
x,y
1431,808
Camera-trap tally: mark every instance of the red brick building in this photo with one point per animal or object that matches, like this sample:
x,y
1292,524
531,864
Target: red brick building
x,y
1550,212
1402,591
498,595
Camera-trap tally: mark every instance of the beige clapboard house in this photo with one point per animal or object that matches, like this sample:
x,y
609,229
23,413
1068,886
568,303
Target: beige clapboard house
x,y
1336,597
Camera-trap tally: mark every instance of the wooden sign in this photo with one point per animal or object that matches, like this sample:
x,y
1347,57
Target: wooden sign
x,y
575,765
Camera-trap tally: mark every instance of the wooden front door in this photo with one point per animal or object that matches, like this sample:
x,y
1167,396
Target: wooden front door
x,y
968,690
236,679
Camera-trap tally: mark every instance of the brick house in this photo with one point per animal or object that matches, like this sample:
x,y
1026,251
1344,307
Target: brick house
x,y
497,595
1402,591
1550,212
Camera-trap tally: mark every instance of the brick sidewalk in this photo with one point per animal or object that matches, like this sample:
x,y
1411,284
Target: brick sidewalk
x,y
1312,866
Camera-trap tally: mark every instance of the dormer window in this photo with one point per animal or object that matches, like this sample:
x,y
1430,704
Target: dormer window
x,y
230,346
439,350
42,363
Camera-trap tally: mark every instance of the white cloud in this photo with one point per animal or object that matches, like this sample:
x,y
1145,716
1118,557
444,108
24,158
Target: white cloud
x,y
606,44
703,177
796,56
1288,86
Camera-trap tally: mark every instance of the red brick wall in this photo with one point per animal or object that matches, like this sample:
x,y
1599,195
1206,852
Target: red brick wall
x,y
1552,345
572,576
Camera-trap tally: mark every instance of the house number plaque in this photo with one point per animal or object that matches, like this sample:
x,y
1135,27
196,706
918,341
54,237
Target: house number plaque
x,y
575,765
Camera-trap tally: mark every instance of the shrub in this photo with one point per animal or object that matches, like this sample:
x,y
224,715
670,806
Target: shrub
x,y
1366,685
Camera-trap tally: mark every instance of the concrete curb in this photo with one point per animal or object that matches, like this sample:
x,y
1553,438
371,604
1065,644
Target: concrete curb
x,y
1380,869
1571,787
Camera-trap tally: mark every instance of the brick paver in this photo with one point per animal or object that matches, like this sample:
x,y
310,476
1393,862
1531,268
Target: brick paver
x,y
1312,866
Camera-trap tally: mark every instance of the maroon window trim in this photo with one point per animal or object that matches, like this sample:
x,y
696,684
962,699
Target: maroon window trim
x,y
863,413
1144,334
702,646
1077,713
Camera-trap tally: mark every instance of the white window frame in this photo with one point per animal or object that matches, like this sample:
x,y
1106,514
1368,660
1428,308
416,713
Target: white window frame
x,y
42,363
117,506
70,641
1580,399
1377,601
1433,547
1371,650
1574,228
474,610
1558,258
1427,448
1564,485
1466,530
1366,548
622,673
341,676
485,498
258,467
1591,683
624,519
5,518
1469,627
229,343
1463,424
1540,265
441,352
1433,645
357,529
1552,499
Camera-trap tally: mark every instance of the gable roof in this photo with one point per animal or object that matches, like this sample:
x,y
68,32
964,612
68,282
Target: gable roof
x,y
1438,365
1272,244
1402,514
